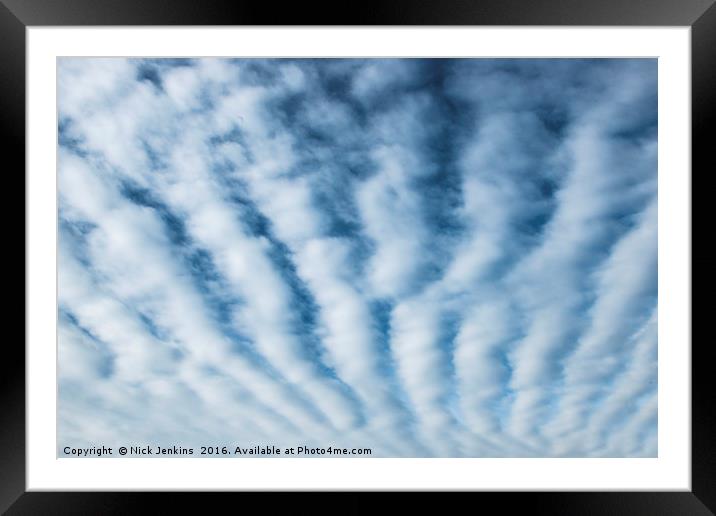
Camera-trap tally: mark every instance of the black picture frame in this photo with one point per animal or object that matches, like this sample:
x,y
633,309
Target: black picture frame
x,y
17,15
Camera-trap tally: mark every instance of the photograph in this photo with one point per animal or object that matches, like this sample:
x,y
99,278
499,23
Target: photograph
x,y
357,257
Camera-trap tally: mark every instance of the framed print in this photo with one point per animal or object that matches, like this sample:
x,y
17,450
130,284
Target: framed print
x,y
417,248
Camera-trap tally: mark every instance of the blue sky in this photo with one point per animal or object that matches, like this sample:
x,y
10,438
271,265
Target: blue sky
x,y
428,257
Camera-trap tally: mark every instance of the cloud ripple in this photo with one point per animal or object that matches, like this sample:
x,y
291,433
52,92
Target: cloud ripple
x,y
428,257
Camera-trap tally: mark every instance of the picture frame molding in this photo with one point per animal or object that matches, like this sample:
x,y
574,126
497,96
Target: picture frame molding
x,y
17,15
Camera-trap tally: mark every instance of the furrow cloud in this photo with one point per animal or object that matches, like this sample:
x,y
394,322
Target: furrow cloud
x,y
428,257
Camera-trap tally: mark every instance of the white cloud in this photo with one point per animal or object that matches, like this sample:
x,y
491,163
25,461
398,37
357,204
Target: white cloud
x,y
432,258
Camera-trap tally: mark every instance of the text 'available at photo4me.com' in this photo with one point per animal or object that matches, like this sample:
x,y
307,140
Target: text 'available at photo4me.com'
x,y
212,451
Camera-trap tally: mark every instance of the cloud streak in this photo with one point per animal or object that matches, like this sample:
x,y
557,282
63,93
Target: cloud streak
x,y
428,257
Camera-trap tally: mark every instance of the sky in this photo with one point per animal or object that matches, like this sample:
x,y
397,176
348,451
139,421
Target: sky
x,y
425,257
